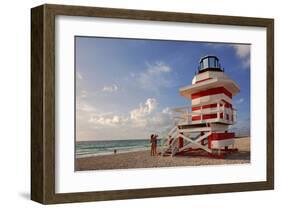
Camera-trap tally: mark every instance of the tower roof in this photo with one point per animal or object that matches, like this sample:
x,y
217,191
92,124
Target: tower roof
x,y
227,83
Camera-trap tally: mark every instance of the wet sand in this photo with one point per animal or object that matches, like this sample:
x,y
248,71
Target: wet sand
x,y
142,159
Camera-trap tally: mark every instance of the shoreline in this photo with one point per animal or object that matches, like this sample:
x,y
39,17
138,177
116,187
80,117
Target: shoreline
x,y
142,159
130,150
120,152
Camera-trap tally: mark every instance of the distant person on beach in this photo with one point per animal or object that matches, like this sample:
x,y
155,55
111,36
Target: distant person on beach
x,y
155,144
152,144
115,151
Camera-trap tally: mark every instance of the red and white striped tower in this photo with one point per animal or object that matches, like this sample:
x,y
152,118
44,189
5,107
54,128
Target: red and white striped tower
x,y
211,113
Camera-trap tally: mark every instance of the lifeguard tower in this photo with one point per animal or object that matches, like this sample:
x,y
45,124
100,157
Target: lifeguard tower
x,y
204,125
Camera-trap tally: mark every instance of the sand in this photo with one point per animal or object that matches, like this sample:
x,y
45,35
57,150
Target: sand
x,y
142,159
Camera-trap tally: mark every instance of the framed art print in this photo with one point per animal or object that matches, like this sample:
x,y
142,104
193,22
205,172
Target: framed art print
x,y
135,104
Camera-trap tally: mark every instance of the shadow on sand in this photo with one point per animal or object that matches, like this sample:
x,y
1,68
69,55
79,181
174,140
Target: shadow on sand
x,y
240,155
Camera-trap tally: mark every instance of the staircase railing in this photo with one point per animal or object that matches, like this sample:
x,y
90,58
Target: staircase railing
x,y
170,142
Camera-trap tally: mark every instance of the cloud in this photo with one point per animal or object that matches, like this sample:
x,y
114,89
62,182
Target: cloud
x,y
243,52
107,120
132,74
136,117
158,67
82,106
144,110
155,76
110,89
150,117
79,76
138,122
141,115
84,94
240,101
81,92
242,127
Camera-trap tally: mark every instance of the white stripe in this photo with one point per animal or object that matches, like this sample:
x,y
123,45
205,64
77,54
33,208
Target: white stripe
x,y
211,99
221,143
210,110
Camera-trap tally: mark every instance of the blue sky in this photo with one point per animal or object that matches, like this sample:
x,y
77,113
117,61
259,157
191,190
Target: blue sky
x,y
126,88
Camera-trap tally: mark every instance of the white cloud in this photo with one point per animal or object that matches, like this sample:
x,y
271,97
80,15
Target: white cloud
x,y
158,67
140,122
107,120
79,76
136,117
110,89
243,52
240,101
151,118
140,116
155,76
132,74
84,93
84,106
167,110
144,110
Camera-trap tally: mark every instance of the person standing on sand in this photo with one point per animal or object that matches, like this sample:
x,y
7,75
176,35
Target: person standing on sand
x,y
152,144
155,144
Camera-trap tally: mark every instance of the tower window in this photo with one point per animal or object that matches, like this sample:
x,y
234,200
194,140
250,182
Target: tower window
x,y
209,62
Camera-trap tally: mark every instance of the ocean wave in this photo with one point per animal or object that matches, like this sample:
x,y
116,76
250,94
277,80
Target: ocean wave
x,y
90,154
94,148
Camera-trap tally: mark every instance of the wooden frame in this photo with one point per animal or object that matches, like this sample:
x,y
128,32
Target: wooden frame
x,y
43,103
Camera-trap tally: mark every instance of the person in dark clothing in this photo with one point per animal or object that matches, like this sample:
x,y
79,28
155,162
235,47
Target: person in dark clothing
x,y
152,144
155,144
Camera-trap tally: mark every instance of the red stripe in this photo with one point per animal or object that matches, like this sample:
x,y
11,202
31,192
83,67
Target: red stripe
x,y
227,105
203,80
196,117
204,107
206,116
218,90
219,136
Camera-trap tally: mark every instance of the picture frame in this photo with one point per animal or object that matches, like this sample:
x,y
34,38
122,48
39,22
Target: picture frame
x,y
43,111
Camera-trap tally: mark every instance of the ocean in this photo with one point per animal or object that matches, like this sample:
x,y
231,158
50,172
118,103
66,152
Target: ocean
x,y
106,147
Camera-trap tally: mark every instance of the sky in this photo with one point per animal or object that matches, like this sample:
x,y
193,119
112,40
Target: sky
x,y
127,88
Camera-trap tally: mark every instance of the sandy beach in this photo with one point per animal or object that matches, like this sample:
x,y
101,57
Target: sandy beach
x,y
142,159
